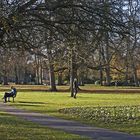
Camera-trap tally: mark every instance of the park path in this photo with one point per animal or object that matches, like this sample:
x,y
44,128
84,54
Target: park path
x,y
67,125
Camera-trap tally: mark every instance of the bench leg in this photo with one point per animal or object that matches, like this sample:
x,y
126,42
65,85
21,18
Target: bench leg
x,y
8,99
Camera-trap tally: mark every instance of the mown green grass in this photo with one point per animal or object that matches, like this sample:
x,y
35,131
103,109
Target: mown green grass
x,y
120,117
13,128
93,86
52,102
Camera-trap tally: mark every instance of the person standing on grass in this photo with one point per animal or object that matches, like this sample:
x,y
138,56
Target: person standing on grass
x,y
75,88
9,94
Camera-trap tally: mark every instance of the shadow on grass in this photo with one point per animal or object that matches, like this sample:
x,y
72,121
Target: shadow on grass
x,y
34,104
27,105
25,102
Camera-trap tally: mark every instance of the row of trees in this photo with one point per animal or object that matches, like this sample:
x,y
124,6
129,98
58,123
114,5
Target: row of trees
x,y
74,37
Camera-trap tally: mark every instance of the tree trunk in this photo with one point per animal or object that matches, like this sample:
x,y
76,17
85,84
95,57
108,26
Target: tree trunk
x,y
36,71
60,81
16,76
101,75
51,72
39,70
52,78
135,76
25,77
81,79
108,79
126,74
71,74
5,80
107,69
40,73
100,69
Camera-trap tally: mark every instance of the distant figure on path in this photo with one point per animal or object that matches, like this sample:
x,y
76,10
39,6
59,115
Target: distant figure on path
x,y
9,94
75,87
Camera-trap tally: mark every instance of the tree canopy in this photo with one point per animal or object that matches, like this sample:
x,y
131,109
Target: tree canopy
x,y
75,34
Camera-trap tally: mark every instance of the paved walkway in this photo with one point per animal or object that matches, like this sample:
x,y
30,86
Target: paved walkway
x,y
67,125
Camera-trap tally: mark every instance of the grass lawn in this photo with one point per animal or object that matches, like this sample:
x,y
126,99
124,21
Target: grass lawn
x,y
89,87
52,102
12,128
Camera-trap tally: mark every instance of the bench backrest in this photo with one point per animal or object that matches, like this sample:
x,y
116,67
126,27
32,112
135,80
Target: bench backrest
x,y
15,93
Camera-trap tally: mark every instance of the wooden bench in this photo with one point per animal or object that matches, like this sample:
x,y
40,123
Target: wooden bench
x,y
13,96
